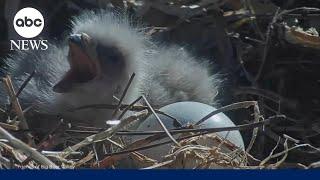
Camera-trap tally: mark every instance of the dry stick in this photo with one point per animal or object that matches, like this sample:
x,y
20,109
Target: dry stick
x,y
254,23
213,130
9,126
238,105
314,165
232,128
123,95
262,93
277,164
257,114
39,145
160,122
248,76
2,110
287,150
287,13
266,47
310,9
95,153
128,107
124,106
108,106
135,154
131,148
158,165
244,104
5,162
104,134
182,130
275,137
263,162
268,95
16,106
257,117
15,102
16,143
24,84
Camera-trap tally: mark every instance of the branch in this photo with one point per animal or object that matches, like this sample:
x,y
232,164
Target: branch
x,y
104,134
16,143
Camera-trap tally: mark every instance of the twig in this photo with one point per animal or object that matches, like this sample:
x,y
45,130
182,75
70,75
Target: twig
x,y
182,130
15,102
257,117
27,150
124,106
24,84
263,93
5,162
263,162
123,95
108,161
277,164
104,134
87,158
129,107
9,126
314,165
160,122
40,144
287,150
95,153
254,22
158,165
17,107
266,47
309,9
244,104
212,130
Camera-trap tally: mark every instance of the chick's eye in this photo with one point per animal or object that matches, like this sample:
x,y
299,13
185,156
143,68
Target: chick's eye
x,y
109,54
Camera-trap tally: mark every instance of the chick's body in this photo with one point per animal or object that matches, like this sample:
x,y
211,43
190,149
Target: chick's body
x,y
97,65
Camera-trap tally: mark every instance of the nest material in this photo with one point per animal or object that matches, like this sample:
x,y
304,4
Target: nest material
x,y
206,152
195,148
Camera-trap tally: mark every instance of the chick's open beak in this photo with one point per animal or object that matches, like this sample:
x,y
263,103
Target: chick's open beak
x,y
83,68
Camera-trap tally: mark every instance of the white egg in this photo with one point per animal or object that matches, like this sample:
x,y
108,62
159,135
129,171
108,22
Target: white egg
x,y
187,113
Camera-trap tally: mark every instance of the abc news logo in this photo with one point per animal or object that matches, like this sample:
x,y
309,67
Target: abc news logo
x,y
28,23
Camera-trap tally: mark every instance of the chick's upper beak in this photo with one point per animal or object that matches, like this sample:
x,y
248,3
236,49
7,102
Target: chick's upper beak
x,y
76,39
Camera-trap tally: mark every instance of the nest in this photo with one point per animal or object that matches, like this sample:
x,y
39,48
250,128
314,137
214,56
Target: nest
x,y
107,148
